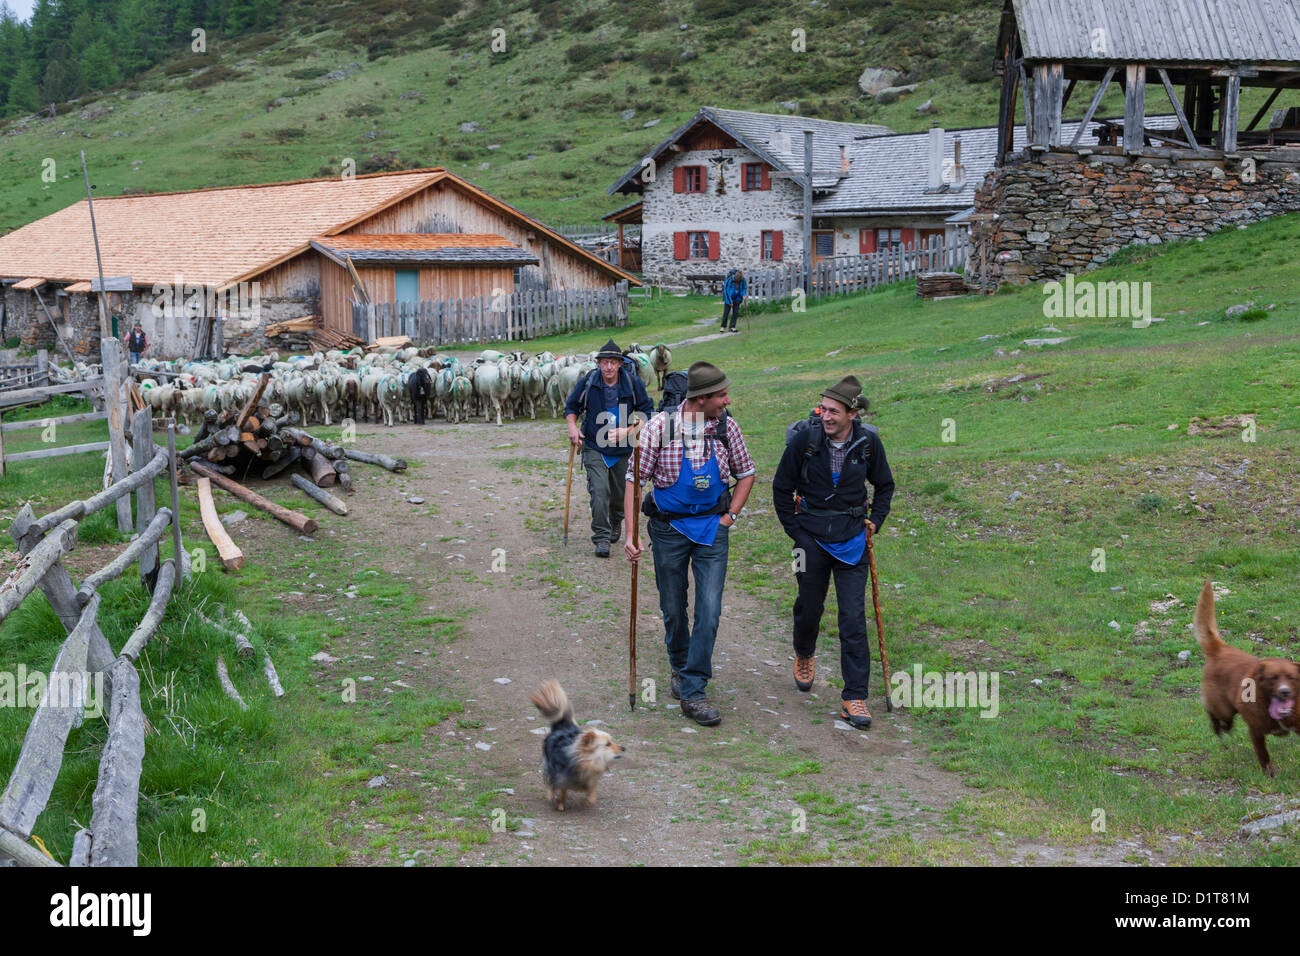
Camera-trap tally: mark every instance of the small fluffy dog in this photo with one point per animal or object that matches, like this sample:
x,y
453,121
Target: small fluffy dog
x,y
1234,682
572,758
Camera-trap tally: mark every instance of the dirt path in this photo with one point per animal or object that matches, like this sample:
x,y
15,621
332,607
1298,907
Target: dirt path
x,y
683,794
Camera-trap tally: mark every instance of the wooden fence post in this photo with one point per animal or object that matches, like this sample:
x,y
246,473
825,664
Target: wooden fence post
x,y
142,452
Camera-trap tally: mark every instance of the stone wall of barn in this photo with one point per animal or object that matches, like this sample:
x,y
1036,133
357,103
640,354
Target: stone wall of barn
x,y
1064,213
738,216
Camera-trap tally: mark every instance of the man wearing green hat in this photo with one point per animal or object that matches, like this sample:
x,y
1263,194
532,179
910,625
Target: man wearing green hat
x,y
606,400
690,455
820,495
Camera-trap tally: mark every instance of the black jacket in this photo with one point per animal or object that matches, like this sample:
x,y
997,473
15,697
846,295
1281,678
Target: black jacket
x,y
631,393
864,461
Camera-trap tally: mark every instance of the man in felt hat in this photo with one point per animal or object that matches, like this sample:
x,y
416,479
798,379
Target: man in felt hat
x,y
820,495
690,455
607,400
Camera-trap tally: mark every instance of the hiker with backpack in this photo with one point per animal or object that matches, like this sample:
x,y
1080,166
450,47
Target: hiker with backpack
x,y
689,455
820,495
733,296
607,400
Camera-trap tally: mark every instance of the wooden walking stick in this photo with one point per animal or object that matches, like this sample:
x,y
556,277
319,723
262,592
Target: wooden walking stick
x,y
880,627
636,537
568,487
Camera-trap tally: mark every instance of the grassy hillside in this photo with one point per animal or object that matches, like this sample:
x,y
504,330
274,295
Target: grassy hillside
x,y
387,88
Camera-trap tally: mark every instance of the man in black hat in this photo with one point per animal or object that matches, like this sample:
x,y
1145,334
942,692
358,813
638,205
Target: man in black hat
x,y
606,399
820,495
690,455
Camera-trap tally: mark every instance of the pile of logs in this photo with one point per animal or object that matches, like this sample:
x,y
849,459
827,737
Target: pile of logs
x,y
938,285
309,333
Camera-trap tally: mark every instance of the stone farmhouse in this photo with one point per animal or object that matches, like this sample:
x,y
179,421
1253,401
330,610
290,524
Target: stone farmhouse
x,y
1058,204
249,256
726,191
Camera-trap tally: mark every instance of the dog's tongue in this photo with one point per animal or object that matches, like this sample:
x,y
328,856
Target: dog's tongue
x,y
1277,709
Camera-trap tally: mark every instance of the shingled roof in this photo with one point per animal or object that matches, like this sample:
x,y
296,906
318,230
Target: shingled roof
x,y
219,236
430,248
1160,31
776,138
889,173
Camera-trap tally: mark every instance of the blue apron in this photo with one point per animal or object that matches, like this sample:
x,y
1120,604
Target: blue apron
x,y
850,552
615,420
693,492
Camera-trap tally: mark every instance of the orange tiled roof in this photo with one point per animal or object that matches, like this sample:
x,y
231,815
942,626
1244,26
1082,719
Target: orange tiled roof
x,y
27,284
208,236
442,240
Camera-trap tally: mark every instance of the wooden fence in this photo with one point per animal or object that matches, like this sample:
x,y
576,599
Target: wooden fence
x,y
842,275
111,838
504,318
22,396
16,374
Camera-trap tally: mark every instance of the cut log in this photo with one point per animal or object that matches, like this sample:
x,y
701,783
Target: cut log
x,y
82,509
149,538
223,675
272,678
292,455
299,522
117,795
345,481
320,494
243,647
38,764
322,472
81,844
252,402
370,458
22,852
232,558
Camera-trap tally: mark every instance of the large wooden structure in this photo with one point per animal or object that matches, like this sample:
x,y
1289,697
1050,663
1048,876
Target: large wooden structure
x,y
1196,54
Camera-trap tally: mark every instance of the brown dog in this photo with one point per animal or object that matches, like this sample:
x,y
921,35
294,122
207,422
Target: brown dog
x,y
1234,682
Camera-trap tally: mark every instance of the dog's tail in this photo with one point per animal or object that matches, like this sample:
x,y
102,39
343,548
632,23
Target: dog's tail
x,y
1207,632
553,702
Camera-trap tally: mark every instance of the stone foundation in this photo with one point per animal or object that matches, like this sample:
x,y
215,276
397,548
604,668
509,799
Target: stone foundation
x,y
1063,213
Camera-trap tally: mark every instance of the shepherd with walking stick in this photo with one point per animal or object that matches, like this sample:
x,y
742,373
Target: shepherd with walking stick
x,y
631,624
568,489
689,455
820,496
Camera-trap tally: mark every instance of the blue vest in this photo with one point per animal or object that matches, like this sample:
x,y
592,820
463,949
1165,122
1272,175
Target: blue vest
x,y
695,491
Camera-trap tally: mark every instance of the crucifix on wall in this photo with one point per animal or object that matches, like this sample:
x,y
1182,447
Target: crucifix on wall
x,y
719,164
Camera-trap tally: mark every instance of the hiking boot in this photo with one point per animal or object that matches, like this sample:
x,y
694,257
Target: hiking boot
x,y
602,549
856,713
722,328
734,329
702,712
803,672
675,684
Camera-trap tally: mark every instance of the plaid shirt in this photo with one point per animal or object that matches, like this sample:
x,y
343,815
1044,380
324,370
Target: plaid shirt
x,y
662,463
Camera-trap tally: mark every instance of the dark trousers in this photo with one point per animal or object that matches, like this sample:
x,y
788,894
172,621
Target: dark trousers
x,y
605,484
851,592
735,313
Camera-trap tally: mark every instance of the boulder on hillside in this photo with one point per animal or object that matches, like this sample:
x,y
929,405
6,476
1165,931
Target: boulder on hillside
x,y
876,78
890,94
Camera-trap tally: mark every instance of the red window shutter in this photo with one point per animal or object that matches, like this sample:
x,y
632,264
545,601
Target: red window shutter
x,y
777,244
678,179
767,182
715,247
680,247
909,238
866,241
744,177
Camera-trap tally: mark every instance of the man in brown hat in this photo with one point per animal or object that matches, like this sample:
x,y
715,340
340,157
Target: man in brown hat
x,y
690,455
820,495
607,400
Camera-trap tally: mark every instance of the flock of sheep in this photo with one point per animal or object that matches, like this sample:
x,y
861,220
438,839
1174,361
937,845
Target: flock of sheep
x,y
395,385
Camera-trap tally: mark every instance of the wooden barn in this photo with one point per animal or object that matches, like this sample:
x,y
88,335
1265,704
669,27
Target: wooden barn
x,y
238,258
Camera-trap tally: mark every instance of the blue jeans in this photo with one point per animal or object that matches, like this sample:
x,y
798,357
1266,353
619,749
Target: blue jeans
x,y
690,649
135,358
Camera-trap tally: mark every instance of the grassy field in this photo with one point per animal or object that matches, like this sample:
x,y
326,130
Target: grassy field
x,y
1119,439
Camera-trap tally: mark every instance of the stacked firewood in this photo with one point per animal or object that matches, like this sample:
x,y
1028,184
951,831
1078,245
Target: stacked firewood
x,y
935,285
309,333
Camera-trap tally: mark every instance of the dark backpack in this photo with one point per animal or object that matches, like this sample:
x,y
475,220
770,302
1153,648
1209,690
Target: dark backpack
x,y
675,387
816,436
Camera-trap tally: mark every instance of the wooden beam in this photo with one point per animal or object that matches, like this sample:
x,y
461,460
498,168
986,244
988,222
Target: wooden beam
x,y
117,794
42,422
299,522
232,558
1135,106
149,537
148,625
21,396
32,567
1231,105
56,452
1048,82
1264,109
1069,91
1178,110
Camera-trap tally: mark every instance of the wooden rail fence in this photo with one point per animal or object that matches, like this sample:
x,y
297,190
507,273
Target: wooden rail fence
x,y
111,838
22,396
505,318
842,275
